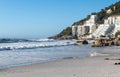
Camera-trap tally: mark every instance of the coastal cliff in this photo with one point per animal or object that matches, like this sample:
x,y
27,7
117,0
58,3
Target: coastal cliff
x,y
113,9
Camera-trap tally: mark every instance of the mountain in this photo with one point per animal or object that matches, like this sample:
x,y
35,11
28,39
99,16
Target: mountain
x,y
113,9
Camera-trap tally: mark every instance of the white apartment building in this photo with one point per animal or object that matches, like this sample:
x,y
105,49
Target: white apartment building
x,y
82,30
88,27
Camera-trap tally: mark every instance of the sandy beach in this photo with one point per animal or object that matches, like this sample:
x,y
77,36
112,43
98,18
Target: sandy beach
x,y
93,66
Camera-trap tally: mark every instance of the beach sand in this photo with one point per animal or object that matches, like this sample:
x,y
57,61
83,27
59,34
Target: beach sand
x,y
93,66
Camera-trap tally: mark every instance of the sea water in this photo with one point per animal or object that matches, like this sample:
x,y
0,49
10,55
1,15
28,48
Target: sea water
x,y
19,53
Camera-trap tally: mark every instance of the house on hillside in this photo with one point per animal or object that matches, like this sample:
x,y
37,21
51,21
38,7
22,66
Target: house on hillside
x,y
110,27
115,20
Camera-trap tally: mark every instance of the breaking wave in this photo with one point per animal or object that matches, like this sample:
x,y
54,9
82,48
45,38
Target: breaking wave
x,y
35,44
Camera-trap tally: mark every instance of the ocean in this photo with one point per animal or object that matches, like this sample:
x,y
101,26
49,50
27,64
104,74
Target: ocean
x,y
23,52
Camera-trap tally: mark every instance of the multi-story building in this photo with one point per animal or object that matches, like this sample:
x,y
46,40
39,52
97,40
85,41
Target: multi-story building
x,y
74,30
115,20
88,27
82,30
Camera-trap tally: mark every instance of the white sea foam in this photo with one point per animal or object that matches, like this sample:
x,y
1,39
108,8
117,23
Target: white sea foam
x,y
43,40
31,45
98,54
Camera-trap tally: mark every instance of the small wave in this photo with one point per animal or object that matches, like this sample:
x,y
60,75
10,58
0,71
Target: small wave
x,y
5,40
41,40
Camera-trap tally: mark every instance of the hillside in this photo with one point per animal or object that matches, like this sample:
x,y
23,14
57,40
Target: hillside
x,y
65,34
113,9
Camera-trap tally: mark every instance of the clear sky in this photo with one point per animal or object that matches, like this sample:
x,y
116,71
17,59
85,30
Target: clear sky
x,y
43,18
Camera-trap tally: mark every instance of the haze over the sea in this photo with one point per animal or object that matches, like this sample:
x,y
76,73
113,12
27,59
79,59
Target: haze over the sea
x,y
43,18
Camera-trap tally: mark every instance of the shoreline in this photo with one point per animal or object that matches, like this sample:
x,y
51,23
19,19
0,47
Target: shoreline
x,y
44,62
90,66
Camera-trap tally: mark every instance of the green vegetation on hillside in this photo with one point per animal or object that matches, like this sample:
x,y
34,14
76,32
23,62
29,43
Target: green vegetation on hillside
x,y
67,31
65,34
117,8
102,15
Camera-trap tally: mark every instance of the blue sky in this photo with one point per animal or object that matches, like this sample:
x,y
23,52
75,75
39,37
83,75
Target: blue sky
x,y
43,18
